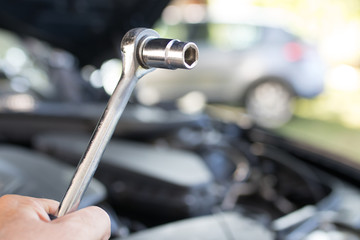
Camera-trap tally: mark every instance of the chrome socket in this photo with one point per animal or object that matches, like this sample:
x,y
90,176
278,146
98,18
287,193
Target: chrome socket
x,y
168,53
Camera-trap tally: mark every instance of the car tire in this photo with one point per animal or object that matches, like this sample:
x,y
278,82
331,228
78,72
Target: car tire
x,y
269,103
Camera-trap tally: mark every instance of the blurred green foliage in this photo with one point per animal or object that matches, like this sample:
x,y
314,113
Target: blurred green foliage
x,y
333,137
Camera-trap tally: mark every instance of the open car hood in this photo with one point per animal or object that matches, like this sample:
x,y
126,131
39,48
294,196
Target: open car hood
x,y
91,30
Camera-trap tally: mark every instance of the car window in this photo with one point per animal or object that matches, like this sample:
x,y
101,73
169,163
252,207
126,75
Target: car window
x,y
273,35
19,71
178,31
218,35
234,36
190,32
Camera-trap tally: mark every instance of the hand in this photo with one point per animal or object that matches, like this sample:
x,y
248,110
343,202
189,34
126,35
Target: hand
x,y
27,218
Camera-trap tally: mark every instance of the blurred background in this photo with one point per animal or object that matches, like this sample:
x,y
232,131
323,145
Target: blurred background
x,y
292,66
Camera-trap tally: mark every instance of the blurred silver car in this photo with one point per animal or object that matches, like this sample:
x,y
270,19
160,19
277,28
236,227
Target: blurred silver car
x,y
256,66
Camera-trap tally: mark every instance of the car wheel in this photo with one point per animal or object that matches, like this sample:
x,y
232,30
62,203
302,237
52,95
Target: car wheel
x,y
269,104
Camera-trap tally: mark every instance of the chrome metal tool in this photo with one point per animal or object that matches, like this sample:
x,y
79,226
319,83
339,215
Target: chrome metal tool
x,y
142,50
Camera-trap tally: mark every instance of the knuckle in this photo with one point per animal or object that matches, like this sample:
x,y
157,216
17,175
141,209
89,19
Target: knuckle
x,y
9,198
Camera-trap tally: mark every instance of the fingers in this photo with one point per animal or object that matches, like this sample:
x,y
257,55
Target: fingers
x,y
50,206
87,223
47,206
31,216
29,207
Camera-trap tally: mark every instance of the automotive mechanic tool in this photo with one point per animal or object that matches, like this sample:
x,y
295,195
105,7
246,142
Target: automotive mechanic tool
x,y
142,50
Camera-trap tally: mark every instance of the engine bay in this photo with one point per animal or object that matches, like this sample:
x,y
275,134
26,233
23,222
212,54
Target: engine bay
x,y
207,179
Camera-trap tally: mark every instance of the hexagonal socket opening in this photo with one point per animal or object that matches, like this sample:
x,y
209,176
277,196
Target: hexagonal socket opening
x,y
191,55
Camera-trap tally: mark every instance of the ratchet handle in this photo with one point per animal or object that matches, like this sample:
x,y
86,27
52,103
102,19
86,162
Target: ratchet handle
x,y
139,47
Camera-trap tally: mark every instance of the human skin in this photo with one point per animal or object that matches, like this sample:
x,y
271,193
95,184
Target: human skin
x,y
27,218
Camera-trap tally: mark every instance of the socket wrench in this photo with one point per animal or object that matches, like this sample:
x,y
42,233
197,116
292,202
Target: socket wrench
x,y
142,51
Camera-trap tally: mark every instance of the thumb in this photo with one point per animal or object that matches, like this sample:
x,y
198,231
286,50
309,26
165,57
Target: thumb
x,y
87,223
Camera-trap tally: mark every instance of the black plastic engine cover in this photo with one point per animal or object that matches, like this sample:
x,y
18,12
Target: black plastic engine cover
x,y
221,226
28,173
136,121
141,177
